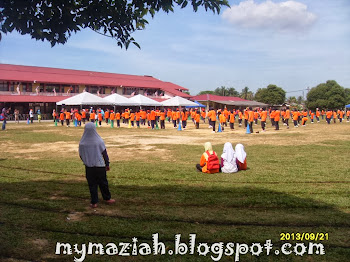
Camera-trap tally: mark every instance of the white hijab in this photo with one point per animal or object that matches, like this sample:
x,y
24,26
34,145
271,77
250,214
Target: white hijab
x,y
91,147
240,153
229,158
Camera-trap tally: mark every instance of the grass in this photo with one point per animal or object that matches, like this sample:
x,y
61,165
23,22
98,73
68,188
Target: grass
x,y
297,181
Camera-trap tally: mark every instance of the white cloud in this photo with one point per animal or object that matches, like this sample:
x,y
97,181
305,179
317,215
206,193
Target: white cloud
x,y
283,16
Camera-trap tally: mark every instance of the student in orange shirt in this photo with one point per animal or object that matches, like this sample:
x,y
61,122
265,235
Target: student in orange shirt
x,y
174,118
152,118
250,118
263,116
137,118
107,116
256,116
295,118
162,120
117,118
212,118
240,118
62,118
143,114
329,114
222,119
347,115
83,116
168,114
277,119
197,118
312,115
112,117
283,113
232,120
318,115
341,115
126,116
226,114
78,117
203,115
99,117
184,118
287,117
178,116
246,117
303,123
209,162
92,116
131,117
334,116
68,117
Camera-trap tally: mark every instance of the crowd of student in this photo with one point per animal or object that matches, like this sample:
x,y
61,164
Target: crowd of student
x,y
154,118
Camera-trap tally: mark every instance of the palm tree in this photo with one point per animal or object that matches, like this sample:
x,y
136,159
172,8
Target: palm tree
x,y
246,94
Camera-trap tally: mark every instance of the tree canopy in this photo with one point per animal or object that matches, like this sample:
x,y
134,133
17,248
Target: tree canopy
x,y
326,95
247,94
221,91
272,95
55,21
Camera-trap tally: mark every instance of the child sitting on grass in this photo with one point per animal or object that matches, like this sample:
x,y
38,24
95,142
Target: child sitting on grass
x,y
209,162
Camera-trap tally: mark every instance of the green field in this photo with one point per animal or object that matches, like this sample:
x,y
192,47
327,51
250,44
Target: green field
x,y
298,181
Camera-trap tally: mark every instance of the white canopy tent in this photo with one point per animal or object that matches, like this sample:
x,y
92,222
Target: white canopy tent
x,y
84,98
119,100
141,100
178,101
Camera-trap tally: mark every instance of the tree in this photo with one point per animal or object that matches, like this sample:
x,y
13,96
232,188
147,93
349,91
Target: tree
x,y
223,91
300,100
292,100
326,95
206,92
272,95
347,96
55,21
246,94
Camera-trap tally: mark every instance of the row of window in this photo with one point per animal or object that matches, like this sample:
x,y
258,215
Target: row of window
x,y
51,88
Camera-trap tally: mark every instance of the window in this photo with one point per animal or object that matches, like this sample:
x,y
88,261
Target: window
x,y
3,86
51,87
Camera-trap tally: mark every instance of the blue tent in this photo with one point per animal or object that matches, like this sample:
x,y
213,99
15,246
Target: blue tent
x,y
347,106
199,105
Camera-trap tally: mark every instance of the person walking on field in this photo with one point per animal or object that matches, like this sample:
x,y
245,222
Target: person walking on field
x,y
93,153
31,116
3,117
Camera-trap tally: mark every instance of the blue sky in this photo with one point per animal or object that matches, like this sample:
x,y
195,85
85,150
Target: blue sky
x,y
293,44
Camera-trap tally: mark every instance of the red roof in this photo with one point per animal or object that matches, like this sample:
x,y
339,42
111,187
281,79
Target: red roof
x,y
209,97
20,73
30,98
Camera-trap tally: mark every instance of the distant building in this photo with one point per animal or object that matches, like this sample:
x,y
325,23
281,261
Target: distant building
x,y
27,87
230,102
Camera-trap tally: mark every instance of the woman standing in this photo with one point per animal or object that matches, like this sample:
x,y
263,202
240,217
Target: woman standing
x,y
93,153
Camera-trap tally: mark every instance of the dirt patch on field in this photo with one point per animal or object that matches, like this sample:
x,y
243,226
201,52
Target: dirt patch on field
x,y
142,144
40,244
75,216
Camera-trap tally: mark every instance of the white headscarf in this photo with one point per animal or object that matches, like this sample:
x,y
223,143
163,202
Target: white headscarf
x,y
240,153
91,147
229,158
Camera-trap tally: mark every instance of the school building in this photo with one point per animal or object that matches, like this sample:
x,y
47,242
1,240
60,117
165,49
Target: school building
x,y
25,87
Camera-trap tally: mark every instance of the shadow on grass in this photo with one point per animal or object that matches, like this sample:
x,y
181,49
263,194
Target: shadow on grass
x,y
35,215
